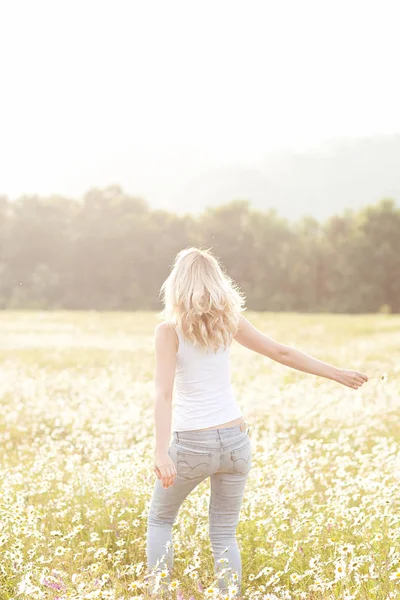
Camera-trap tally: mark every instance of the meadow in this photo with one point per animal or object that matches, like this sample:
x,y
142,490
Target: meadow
x,y
321,513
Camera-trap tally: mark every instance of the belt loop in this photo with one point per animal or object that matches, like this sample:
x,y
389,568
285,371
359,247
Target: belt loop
x,y
176,436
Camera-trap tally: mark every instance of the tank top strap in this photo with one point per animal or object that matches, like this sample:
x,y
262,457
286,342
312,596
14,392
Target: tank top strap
x,y
179,334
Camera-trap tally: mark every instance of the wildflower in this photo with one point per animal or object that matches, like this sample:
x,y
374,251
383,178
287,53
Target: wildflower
x,y
382,377
232,591
174,584
346,548
134,585
99,552
221,573
340,569
395,576
139,568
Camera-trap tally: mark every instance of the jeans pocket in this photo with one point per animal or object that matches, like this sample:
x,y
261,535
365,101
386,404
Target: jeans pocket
x,y
241,457
191,464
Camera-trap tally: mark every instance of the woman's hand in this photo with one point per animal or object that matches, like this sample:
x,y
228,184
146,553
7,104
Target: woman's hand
x,y
165,469
353,379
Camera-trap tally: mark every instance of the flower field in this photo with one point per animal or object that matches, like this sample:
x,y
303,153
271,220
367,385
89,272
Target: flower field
x,y
321,513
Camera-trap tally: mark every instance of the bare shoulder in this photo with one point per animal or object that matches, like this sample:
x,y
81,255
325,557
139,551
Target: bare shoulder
x,y
243,324
244,329
165,333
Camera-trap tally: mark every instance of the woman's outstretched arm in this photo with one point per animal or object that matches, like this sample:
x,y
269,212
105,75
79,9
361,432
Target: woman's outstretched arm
x,y
252,338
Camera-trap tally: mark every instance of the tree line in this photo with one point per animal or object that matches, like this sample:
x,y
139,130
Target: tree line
x,y
111,251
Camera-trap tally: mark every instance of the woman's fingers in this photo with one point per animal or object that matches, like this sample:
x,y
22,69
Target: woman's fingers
x,y
165,479
357,382
363,376
353,379
352,383
172,473
170,476
163,476
167,475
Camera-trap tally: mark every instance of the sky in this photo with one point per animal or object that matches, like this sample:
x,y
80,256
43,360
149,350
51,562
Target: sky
x,y
149,94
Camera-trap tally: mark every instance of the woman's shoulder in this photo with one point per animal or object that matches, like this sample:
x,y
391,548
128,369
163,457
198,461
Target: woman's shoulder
x,y
166,331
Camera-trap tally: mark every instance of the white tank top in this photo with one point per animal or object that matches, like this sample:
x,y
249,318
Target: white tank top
x,y
203,391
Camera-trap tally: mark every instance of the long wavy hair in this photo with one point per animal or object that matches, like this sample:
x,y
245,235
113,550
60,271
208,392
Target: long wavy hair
x,y
201,299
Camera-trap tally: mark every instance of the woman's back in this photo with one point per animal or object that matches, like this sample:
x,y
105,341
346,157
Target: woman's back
x,y
203,390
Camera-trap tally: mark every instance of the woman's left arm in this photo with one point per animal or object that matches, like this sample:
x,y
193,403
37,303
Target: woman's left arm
x,y
250,337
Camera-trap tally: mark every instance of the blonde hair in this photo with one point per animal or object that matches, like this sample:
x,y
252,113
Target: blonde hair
x,y
201,299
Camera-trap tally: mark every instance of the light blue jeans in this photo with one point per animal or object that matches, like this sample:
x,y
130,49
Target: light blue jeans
x,y
224,455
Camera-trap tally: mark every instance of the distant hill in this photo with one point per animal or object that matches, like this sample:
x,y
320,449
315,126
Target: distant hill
x,y
348,173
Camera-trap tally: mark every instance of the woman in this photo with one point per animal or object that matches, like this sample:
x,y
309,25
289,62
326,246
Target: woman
x,y
210,437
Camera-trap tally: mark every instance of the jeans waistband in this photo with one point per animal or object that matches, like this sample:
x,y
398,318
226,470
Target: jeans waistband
x,y
211,434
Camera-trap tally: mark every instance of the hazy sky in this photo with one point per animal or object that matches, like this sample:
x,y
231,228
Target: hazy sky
x,y
145,93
